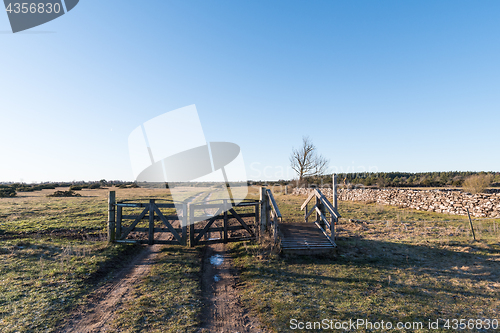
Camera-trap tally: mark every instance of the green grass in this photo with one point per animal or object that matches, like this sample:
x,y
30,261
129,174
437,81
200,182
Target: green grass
x,y
168,300
392,264
43,278
53,253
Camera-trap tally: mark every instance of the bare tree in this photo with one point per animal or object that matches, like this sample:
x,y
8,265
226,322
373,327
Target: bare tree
x,y
306,162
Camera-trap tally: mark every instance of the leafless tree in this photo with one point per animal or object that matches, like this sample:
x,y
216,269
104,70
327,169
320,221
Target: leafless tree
x,y
306,162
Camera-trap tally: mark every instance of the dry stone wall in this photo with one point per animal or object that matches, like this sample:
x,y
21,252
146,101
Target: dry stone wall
x,y
440,201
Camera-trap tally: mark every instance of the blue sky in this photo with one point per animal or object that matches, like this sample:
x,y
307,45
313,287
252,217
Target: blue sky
x,y
377,85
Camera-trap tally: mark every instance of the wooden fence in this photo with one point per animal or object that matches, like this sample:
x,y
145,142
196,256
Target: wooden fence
x,y
143,220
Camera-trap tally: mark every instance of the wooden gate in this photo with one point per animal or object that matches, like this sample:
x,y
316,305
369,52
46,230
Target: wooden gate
x,y
130,221
231,228
152,221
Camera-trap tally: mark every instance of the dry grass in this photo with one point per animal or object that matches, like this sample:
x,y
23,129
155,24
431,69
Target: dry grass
x,y
392,264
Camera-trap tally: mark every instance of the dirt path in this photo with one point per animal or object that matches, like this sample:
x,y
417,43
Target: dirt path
x,y
104,302
223,311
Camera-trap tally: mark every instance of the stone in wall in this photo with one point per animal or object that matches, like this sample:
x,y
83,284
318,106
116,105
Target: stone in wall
x,y
443,201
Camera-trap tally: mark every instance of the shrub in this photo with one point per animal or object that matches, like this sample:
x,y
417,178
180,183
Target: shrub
x,y
94,186
69,193
7,191
75,187
477,183
25,189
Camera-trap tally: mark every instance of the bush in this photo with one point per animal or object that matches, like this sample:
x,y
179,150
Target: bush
x,y
7,191
64,194
95,186
477,183
75,187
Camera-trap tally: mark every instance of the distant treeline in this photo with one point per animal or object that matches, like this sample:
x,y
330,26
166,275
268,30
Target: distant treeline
x,y
391,179
11,189
406,179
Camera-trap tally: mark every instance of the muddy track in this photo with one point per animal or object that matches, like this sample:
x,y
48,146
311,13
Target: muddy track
x,y
103,303
223,311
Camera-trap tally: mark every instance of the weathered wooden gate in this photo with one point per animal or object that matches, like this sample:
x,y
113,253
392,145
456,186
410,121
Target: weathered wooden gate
x,y
232,227
151,220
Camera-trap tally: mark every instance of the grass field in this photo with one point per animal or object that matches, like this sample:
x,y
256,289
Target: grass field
x,y
392,264
53,253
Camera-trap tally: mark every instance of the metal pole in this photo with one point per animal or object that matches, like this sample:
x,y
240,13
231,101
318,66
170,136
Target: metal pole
x,y
471,227
334,219
334,191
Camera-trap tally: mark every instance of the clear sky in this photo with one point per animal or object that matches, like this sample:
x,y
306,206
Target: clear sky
x,y
377,85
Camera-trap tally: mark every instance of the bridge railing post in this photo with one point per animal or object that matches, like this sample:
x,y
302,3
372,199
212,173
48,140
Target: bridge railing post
x,y
111,216
263,209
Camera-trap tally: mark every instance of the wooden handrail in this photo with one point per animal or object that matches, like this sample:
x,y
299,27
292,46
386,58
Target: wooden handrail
x,y
274,205
312,195
317,193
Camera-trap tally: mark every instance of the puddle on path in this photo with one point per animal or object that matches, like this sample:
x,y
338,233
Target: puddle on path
x,y
216,260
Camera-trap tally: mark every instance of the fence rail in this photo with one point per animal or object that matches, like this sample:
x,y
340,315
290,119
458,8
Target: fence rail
x,y
321,207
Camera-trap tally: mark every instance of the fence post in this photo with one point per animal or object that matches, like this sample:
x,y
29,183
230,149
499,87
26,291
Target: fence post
x,y
151,221
119,213
225,219
184,223
263,209
191,225
286,189
111,216
257,218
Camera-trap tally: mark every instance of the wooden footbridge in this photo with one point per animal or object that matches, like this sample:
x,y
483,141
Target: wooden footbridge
x,y
306,237
167,222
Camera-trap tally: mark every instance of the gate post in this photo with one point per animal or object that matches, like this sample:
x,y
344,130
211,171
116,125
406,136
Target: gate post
x,y
225,220
263,209
184,223
191,225
151,237
119,213
111,216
